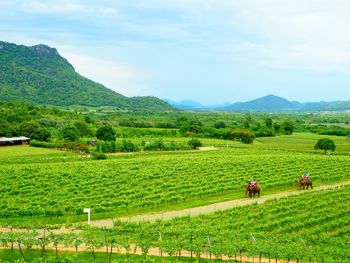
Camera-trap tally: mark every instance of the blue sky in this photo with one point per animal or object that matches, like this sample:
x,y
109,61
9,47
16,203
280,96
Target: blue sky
x,y
211,51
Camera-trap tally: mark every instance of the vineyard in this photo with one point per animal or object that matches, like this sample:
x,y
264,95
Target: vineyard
x,y
304,228
131,183
126,184
42,187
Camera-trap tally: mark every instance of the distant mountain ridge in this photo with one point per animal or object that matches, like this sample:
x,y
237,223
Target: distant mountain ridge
x,y
194,105
269,103
39,75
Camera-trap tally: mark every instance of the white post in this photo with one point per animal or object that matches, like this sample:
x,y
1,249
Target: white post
x,y
87,210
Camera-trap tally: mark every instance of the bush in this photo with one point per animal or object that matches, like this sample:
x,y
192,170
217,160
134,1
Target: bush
x,y
41,135
71,146
50,145
105,133
157,145
106,147
194,143
69,133
128,146
76,147
98,156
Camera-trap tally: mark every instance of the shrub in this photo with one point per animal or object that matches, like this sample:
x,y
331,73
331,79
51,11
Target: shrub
x,y
105,133
194,143
50,145
98,156
128,146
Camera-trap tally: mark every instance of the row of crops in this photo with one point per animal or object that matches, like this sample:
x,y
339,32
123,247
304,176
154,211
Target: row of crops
x,y
311,227
127,184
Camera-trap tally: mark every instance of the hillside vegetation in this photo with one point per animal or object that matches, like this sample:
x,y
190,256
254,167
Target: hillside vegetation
x,y
38,74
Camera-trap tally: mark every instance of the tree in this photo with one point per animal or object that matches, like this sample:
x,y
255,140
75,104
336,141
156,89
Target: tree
x,y
247,122
70,133
219,125
325,144
276,127
268,123
28,127
287,127
83,128
41,135
194,143
105,133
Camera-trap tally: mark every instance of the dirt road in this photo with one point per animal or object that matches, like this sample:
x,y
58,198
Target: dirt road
x,y
210,208
157,252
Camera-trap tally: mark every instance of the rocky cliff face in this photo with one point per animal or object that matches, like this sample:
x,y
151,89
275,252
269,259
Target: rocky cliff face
x,y
44,50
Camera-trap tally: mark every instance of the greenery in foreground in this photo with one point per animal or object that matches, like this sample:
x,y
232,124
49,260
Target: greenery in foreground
x,y
35,256
313,227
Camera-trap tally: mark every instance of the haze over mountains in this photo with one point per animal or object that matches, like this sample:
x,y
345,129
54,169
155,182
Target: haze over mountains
x,y
269,103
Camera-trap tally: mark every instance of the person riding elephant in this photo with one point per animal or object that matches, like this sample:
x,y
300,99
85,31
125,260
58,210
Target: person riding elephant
x,y
254,182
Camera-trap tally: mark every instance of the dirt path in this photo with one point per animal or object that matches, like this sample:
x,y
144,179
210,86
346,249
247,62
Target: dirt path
x,y
209,208
156,252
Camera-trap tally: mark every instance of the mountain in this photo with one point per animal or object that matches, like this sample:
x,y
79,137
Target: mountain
x,y
38,74
194,105
269,103
272,103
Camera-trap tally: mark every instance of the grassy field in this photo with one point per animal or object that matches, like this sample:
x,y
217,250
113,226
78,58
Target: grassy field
x,y
26,154
54,186
303,142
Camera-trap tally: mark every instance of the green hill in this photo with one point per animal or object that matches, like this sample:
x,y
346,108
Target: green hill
x,y
38,74
268,103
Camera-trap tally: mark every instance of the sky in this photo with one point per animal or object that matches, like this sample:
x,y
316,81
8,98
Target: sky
x,y
211,51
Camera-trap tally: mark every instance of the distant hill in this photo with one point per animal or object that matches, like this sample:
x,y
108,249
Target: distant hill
x,y
38,74
269,103
272,103
194,105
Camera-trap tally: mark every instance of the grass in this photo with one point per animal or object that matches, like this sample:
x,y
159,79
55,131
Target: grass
x,y
27,154
303,142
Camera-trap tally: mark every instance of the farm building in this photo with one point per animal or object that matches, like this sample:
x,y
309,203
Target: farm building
x,y
4,141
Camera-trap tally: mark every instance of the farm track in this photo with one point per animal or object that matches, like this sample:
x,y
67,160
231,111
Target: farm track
x,y
156,252
207,209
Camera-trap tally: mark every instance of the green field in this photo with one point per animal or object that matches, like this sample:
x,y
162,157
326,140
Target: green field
x,y
54,185
303,142
27,155
42,186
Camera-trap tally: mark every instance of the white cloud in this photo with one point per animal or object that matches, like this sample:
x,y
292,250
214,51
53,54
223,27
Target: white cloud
x,y
64,7
121,78
297,34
